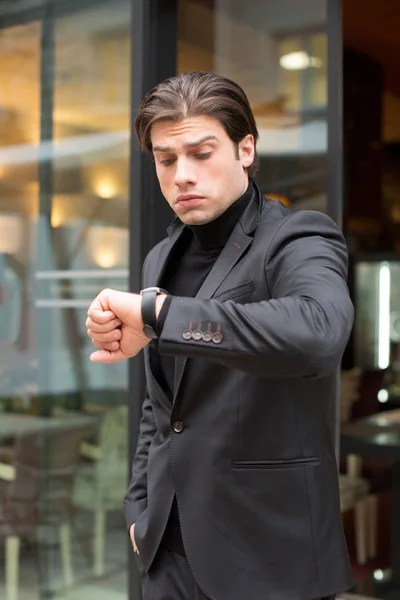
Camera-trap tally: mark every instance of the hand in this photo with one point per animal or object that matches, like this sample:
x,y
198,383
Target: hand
x,y
115,326
132,535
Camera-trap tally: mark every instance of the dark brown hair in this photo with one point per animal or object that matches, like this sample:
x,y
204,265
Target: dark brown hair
x,y
198,93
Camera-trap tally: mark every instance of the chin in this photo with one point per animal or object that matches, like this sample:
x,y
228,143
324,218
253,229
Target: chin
x,y
199,219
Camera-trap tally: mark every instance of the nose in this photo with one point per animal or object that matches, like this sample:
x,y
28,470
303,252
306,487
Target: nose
x,y
185,172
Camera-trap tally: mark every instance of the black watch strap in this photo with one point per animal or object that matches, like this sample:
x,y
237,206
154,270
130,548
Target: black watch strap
x,y
149,297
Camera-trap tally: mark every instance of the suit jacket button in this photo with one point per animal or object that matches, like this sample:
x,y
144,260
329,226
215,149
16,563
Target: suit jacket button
x,y
187,335
197,335
217,338
178,427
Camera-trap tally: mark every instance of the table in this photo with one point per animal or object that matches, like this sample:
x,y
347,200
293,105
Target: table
x,y
378,436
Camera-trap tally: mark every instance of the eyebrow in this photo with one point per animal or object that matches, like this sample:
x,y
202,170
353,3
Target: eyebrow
x,y
202,140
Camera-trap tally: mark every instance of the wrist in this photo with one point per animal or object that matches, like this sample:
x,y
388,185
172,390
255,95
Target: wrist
x,y
151,304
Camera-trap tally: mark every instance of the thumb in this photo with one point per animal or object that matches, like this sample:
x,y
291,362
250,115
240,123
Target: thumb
x,y
132,532
107,356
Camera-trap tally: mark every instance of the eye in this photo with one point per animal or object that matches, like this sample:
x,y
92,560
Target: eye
x,y
167,162
203,156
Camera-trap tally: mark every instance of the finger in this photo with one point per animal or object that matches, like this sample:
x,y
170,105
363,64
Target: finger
x,y
100,316
114,324
105,356
111,346
111,336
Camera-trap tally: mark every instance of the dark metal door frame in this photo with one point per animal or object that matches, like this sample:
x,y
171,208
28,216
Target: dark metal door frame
x,y
335,111
335,144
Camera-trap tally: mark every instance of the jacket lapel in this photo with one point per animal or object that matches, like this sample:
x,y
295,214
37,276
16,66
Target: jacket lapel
x,y
159,265
239,241
155,275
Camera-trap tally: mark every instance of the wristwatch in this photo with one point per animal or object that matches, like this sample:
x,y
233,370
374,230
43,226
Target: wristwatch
x,y
149,316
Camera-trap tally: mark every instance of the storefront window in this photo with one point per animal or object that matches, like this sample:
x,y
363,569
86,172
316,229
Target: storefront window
x,y
277,51
64,235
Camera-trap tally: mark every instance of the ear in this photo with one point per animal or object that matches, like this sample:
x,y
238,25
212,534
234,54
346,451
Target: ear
x,y
247,151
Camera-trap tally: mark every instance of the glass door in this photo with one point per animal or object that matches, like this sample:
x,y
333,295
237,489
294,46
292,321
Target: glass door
x,y
64,236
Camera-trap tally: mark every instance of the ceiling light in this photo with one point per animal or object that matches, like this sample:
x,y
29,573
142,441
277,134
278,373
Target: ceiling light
x,y
383,396
107,246
296,61
105,189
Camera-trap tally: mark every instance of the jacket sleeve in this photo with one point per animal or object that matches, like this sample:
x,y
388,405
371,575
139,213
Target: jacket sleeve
x,y
135,500
301,331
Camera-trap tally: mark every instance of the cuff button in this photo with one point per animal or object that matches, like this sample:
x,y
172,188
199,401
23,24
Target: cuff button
x,y
207,336
187,335
217,338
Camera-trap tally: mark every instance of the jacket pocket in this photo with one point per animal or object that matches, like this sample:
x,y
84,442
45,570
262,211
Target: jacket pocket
x,y
243,289
291,463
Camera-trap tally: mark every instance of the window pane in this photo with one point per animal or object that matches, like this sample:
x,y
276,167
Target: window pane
x,y
64,236
277,51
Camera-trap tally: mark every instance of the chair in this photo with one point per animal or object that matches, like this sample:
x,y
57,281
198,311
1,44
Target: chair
x,y
354,489
102,480
38,493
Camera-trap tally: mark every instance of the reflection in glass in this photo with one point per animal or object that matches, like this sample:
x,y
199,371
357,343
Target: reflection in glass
x,y
377,322
278,53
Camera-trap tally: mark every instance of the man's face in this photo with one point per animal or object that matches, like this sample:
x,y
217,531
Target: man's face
x,y
199,170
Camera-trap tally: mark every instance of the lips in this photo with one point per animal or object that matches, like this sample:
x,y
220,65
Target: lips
x,y
187,197
189,200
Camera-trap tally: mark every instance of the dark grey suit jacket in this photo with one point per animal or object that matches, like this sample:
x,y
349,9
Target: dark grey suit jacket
x,y
248,442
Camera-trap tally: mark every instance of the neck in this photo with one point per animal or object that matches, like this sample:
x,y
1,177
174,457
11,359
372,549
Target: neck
x,y
214,235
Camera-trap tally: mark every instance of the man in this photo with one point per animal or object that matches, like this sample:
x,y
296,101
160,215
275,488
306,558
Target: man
x,y
234,492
